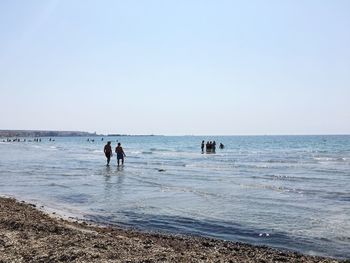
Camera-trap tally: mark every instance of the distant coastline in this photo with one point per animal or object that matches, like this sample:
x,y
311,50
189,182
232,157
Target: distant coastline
x,y
44,133
117,135
41,133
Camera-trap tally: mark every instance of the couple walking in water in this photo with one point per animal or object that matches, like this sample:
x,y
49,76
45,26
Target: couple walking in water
x,y
118,150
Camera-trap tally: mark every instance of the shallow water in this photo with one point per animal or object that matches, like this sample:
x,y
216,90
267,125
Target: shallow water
x,y
284,191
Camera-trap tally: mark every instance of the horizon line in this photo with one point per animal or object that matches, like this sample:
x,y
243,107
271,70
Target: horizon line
x,y
152,134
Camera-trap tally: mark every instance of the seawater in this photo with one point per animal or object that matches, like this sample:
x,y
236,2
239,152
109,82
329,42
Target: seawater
x,y
290,192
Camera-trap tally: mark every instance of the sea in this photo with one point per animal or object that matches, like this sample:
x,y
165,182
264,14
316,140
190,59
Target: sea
x,y
288,192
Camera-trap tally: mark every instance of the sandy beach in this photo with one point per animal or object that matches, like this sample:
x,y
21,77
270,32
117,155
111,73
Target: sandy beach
x,y
30,235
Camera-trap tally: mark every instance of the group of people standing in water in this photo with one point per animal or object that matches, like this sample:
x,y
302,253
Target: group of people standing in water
x,y
210,146
118,150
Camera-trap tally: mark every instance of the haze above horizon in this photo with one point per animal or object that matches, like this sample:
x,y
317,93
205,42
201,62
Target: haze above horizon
x,y
176,67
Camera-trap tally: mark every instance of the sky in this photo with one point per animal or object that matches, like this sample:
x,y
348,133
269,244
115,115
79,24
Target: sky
x,y
176,67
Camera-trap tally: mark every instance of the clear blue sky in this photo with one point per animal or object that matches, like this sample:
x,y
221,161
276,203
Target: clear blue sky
x,y
176,67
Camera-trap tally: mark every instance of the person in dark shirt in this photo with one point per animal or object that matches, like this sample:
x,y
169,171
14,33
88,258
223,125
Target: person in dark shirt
x,y
202,146
108,152
208,147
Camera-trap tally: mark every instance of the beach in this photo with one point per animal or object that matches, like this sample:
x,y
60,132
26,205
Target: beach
x,y
30,235
174,131
283,192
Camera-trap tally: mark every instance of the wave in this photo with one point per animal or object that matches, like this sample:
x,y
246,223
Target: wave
x,y
282,161
277,177
58,185
339,196
160,150
330,159
135,152
38,147
269,187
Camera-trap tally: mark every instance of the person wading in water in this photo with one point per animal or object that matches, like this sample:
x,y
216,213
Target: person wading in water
x,y
120,153
108,152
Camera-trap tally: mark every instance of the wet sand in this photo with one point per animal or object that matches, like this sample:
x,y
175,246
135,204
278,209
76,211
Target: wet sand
x,y
29,235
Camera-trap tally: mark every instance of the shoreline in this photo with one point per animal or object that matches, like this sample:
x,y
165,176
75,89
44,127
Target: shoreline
x,y
28,234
